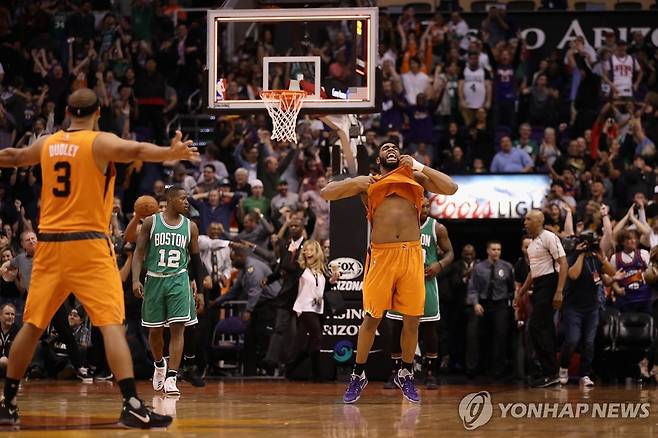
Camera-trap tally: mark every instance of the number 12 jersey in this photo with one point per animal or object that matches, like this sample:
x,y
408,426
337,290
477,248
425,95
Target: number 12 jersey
x,y
167,252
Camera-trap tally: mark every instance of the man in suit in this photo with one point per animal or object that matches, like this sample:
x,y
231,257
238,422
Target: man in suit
x,y
289,271
452,296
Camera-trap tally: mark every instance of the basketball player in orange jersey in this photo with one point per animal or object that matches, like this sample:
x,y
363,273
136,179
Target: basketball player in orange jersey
x,y
74,253
394,276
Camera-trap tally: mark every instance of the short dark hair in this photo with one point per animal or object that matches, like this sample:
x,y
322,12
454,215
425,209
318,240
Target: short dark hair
x,y
212,224
81,312
172,191
253,216
212,166
393,140
240,251
2,308
493,242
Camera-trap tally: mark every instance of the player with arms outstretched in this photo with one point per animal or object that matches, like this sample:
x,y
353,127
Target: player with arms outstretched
x,y
394,277
74,253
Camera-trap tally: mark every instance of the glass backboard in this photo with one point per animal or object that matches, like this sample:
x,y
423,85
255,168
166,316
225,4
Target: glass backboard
x,y
328,52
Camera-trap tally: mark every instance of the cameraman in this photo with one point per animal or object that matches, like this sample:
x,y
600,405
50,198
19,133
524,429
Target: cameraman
x,y
580,311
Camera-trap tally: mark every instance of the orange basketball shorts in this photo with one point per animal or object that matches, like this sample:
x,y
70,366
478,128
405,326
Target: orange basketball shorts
x,y
394,279
87,268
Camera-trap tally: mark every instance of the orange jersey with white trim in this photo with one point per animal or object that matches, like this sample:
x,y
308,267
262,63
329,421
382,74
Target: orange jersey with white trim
x,y
75,194
400,182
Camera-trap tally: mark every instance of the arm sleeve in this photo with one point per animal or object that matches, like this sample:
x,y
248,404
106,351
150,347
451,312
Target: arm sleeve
x,y
253,288
233,292
197,269
555,247
494,165
195,203
225,266
527,161
510,281
310,224
492,58
581,63
218,243
517,56
266,255
204,242
238,156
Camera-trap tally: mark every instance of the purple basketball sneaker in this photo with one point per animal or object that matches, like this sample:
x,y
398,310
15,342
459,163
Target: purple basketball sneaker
x,y
357,383
405,381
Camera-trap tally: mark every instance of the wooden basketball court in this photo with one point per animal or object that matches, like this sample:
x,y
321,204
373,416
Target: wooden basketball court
x,y
284,409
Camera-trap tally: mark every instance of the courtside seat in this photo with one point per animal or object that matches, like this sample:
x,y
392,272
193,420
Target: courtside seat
x,y
628,6
520,6
635,331
589,6
608,328
228,339
480,6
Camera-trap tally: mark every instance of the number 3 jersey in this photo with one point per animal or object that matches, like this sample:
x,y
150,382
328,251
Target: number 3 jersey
x,y
167,252
73,186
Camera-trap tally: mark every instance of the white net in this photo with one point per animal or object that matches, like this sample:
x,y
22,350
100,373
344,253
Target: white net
x,y
283,107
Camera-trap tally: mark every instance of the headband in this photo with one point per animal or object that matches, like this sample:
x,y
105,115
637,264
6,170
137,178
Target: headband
x,y
84,111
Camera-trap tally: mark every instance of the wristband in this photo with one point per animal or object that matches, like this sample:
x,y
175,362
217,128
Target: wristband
x,y
417,166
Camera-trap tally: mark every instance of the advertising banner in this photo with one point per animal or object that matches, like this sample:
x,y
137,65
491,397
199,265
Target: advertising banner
x,y
349,238
547,31
491,197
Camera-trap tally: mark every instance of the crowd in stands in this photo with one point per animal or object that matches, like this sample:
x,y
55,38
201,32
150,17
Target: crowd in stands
x,y
459,99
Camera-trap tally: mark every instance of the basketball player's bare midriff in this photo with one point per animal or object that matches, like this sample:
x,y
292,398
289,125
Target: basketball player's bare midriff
x,y
395,220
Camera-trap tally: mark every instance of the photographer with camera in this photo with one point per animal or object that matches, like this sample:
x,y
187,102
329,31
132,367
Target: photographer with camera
x,y
580,311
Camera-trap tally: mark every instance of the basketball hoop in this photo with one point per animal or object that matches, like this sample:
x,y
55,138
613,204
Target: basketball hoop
x,y
283,107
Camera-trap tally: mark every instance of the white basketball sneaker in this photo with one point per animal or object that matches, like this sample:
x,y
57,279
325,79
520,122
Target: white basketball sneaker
x,y
159,375
170,388
564,376
586,381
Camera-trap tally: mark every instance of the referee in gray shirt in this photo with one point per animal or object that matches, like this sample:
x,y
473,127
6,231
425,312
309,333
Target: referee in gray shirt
x,y
548,273
490,292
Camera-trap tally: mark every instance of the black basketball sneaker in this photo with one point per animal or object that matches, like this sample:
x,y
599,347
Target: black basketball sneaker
x,y
137,416
8,414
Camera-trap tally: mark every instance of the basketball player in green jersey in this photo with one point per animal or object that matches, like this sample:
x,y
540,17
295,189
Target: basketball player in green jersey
x,y
167,240
434,240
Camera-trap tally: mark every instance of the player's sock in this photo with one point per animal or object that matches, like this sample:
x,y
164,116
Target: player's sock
x,y
172,373
430,363
189,360
11,389
409,366
128,388
397,362
359,369
160,363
